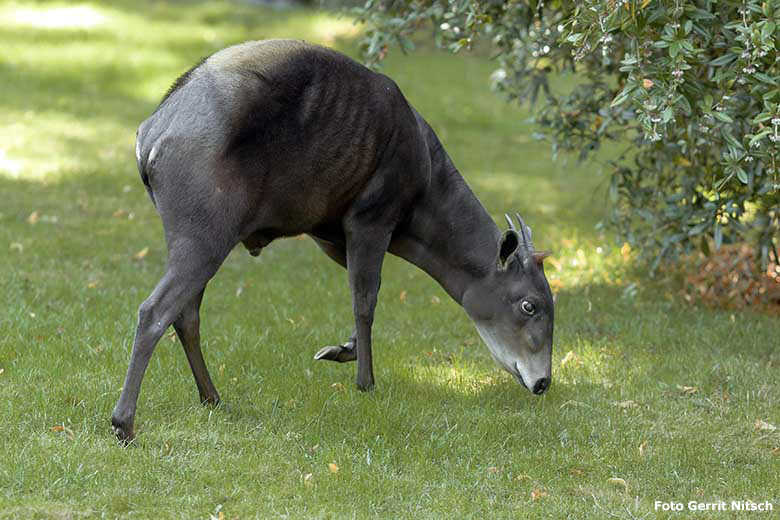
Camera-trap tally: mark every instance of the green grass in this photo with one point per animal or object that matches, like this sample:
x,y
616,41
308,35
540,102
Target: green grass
x,y
445,433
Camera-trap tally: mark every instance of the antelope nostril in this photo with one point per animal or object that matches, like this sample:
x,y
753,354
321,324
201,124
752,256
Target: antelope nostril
x,y
541,385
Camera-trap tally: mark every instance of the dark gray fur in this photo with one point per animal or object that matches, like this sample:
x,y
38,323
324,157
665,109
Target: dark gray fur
x,y
272,139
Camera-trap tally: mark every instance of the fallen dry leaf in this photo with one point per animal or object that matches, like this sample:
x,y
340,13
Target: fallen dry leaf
x,y
338,387
61,428
626,404
536,494
333,467
17,246
140,255
307,477
119,213
687,390
619,482
33,218
93,284
765,426
776,451
493,469
522,477
402,296
642,448
435,300
575,472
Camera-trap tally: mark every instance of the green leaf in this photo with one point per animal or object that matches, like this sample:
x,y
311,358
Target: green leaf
x,y
760,136
766,79
763,116
624,95
722,116
723,60
729,138
698,228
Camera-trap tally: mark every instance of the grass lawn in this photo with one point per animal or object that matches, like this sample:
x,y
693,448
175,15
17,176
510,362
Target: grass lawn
x,y
652,399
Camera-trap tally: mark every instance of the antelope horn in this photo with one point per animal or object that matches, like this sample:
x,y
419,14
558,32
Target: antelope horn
x,y
509,221
525,232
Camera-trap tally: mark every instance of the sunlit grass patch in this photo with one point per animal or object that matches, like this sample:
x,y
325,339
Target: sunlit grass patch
x,y
329,29
54,17
451,372
38,146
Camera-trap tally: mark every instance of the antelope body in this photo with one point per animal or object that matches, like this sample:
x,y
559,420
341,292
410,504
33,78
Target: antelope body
x,y
275,138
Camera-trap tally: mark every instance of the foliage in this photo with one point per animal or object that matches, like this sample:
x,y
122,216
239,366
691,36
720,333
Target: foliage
x,y
693,88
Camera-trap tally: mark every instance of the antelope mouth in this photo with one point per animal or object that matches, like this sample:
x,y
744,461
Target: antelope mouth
x,y
516,374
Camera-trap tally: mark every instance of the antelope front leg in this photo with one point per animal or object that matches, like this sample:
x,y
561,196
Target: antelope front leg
x,y
365,253
344,352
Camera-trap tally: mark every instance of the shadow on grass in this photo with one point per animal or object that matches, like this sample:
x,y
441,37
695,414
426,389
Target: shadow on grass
x,y
78,86
639,349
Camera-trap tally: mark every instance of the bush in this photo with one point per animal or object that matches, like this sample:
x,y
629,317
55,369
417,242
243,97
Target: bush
x,y
691,89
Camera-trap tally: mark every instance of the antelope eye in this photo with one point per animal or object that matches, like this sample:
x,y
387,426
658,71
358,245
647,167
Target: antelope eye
x,y
528,307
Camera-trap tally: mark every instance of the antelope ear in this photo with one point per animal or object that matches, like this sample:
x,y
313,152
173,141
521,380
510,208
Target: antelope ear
x,y
539,257
507,247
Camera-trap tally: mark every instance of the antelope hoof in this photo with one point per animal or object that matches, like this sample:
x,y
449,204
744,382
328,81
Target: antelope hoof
x,y
365,384
338,353
123,430
210,400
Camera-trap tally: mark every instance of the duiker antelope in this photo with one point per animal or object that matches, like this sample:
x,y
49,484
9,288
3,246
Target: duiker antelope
x,y
275,138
